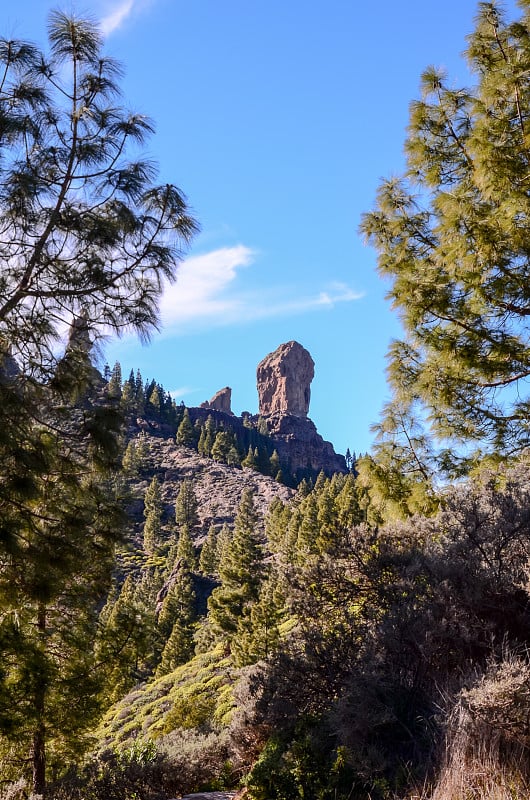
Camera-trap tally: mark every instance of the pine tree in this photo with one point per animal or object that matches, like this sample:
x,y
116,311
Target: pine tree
x,y
452,237
258,633
114,384
274,464
155,401
153,517
128,401
201,446
176,621
66,176
222,446
185,550
139,392
130,461
187,506
126,640
250,459
185,432
209,435
233,458
209,558
240,569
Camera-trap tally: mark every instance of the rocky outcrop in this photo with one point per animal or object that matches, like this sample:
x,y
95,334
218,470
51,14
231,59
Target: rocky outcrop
x,y
301,448
284,378
221,401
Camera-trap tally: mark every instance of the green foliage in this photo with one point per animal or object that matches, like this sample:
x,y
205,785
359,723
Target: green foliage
x,y
78,182
196,693
185,432
153,517
300,769
186,506
398,476
126,641
452,237
185,549
240,571
209,558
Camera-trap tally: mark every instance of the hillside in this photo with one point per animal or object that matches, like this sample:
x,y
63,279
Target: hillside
x,y
218,487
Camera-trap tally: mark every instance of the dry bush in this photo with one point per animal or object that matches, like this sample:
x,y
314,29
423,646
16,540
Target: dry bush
x,y
15,791
488,737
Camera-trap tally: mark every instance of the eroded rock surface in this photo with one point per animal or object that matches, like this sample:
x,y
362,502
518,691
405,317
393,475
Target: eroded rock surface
x,y
221,401
284,379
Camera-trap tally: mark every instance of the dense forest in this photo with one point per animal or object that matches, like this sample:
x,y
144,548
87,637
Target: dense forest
x,y
178,613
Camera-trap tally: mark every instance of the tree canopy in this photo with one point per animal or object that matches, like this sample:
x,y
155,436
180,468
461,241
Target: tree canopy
x,y
84,228
453,236
87,239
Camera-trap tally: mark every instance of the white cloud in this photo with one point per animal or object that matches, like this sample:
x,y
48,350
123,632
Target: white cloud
x,y
182,391
116,16
205,295
199,293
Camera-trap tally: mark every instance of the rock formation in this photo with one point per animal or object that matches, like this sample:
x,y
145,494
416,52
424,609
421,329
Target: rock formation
x,y
284,378
221,401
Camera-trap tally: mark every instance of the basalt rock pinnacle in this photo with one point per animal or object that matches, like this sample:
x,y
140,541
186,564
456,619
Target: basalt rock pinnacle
x,y
284,378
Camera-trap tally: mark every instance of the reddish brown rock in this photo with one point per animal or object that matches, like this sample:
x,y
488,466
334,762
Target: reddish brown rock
x,y
284,378
221,401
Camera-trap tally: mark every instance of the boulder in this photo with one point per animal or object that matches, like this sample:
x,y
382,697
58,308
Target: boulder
x,y
284,378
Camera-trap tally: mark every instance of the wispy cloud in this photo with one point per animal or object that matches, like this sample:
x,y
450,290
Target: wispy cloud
x,y
206,294
182,391
116,13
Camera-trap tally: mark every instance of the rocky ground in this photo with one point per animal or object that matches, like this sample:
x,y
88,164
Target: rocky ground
x,y
218,487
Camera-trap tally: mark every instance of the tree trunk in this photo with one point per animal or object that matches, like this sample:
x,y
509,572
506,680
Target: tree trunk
x,y
38,755
38,748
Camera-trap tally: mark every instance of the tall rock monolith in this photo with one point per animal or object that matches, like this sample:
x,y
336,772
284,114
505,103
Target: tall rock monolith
x,y
284,379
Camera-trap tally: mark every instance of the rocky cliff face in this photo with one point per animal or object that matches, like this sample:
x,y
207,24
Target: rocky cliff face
x,y
300,447
284,378
221,401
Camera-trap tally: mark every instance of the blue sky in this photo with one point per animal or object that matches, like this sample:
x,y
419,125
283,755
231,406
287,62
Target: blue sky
x,y
277,119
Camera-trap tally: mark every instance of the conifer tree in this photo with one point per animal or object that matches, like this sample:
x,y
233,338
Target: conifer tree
x,y
222,445
185,549
87,236
155,400
176,620
153,517
201,449
187,506
233,459
274,464
452,237
250,458
114,385
240,569
127,401
209,558
185,432
258,631
308,529
209,435
130,461
126,640
139,392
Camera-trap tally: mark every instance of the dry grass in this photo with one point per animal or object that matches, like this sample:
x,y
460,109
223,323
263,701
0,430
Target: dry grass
x,y
488,739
